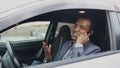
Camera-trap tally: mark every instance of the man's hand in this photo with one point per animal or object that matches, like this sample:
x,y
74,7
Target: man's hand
x,y
47,50
83,38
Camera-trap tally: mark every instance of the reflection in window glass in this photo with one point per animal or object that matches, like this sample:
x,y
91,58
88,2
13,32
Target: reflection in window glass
x,y
118,16
27,31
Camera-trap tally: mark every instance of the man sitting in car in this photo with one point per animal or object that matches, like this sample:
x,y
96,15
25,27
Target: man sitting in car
x,y
80,44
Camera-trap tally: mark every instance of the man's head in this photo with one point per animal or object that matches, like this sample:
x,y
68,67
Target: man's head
x,y
81,25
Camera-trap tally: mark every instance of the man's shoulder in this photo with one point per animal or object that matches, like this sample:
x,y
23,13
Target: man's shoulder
x,y
91,45
68,42
91,48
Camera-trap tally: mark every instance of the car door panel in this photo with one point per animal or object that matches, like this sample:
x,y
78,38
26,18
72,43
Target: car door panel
x,y
26,51
23,49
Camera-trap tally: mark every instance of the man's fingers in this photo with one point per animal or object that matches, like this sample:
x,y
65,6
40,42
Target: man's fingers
x,y
87,40
43,43
47,48
44,46
86,34
50,46
83,33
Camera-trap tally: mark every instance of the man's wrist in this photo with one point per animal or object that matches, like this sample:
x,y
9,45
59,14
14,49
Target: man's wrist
x,y
49,59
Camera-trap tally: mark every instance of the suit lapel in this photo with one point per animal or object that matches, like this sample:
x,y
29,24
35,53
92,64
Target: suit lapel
x,y
64,49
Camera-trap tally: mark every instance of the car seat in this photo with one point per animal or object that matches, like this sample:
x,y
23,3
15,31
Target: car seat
x,y
63,36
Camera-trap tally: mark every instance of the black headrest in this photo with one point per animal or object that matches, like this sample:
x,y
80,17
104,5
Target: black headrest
x,y
65,32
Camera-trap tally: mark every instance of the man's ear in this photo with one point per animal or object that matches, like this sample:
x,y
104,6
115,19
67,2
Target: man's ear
x,y
91,32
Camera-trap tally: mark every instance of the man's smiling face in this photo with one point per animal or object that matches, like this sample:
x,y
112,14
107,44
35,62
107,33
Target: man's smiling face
x,y
81,25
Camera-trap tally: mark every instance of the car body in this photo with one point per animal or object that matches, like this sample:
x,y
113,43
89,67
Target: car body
x,y
26,26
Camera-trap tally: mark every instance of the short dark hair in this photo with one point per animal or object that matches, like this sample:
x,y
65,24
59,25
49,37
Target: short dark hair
x,y
91,26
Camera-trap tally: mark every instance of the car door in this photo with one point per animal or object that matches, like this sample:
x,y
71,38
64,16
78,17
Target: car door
x,y
105,59
40,8
108,59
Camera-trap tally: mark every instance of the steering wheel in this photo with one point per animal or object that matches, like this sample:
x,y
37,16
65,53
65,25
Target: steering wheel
x,y
11,51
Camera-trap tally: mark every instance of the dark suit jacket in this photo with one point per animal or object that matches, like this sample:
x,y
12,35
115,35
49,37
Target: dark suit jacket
x,y
89,48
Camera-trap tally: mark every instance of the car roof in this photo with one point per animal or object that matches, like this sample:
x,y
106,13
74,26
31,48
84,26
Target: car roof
x,y
10,6
27,9
6,5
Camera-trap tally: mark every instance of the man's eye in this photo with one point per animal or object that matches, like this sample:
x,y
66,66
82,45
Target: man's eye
x,y
82,27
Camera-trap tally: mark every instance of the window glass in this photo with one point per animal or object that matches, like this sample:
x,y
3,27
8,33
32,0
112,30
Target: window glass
x,y
118,16
26,31
60,24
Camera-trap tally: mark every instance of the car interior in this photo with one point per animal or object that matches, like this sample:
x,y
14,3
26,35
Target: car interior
x,y
25,54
